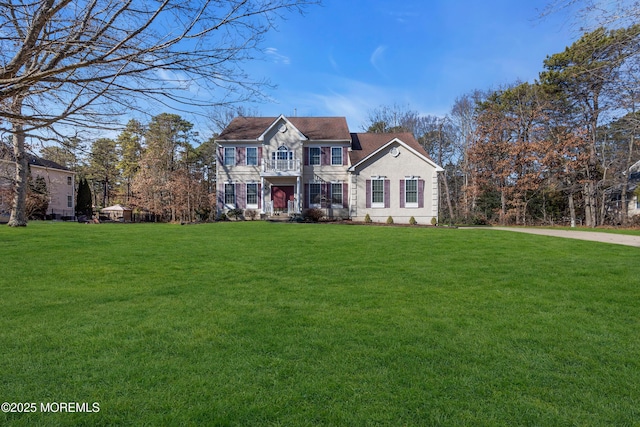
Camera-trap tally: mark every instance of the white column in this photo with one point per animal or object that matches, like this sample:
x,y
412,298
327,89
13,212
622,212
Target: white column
x,y
264,200
298,195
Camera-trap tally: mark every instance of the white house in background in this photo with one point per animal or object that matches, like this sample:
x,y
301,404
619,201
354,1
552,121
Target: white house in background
x,y
285,165
60,184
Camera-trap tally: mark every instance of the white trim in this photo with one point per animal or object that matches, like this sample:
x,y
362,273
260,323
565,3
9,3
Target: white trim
x,y
377,205
290,127
224,156
331,156
246,193
319,156
403,144
408,204
246,157
224,201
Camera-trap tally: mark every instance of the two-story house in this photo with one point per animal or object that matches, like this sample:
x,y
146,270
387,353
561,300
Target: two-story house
x,y
278,165
59,179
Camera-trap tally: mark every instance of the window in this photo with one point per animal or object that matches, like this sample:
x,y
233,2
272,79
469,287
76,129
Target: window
x,y
69,201
252,156
229,156
336,194
377,193
230,195
411,193
315,194
314,155
69,180
252,195
336,156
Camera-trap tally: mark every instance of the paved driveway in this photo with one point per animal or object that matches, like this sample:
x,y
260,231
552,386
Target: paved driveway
x,y
595,236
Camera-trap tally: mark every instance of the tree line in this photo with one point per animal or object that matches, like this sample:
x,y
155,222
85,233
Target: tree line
x,y
555,151
160,169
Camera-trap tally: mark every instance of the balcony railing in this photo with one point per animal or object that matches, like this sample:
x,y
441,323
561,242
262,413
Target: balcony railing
x,y
281,167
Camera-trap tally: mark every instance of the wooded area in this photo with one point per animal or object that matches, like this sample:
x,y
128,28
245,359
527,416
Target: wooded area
x,y
555,151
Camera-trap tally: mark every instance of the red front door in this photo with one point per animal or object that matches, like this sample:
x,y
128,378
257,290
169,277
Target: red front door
x,y
280,195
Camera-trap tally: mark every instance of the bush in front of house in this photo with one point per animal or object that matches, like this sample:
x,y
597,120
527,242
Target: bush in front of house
x,y
412,221
390,220
434,221
367,219
236,213
251,214
313,214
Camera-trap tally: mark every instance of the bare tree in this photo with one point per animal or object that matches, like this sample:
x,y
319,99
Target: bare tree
x,y
84,62
590,14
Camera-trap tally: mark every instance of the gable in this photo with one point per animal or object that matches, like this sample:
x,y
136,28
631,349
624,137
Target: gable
x,y
368,146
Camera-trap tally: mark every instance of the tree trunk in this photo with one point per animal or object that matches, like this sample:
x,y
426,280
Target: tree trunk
x,y
589,205
18,216
572,210
446,190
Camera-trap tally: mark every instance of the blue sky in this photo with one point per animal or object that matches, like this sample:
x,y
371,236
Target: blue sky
x,y
348,57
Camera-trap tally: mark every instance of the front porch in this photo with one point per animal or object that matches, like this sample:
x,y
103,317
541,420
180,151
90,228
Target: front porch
x,y
281,196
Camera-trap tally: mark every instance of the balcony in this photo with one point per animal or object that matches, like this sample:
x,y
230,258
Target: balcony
x,y
289,167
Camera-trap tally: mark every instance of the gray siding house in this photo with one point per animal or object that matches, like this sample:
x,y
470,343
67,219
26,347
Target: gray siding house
x,y
284,165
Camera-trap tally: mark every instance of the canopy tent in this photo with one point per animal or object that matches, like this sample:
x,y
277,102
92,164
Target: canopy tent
x,y
117,213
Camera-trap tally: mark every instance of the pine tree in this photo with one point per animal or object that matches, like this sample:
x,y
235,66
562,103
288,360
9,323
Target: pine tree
x,y
83,200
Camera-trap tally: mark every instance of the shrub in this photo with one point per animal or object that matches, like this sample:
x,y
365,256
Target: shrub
x,y
367,219
251,214
390,220
313,214
222,217
236,213
412,221
434,221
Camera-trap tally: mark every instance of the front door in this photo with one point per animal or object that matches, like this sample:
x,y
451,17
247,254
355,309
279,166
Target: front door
x,y
280,195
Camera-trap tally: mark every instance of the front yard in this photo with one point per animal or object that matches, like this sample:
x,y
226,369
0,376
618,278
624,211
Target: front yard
x,y
261,323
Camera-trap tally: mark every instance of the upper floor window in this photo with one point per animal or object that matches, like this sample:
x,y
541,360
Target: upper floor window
x,y
252,156
229,156
69,180
336,156
282,153
411,193
314,155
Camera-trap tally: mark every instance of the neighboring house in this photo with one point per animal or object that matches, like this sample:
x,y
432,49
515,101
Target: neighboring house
x,y
286,165
60,184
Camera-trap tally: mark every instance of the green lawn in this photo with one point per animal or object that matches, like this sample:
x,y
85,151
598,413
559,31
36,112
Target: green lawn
x,y
299,324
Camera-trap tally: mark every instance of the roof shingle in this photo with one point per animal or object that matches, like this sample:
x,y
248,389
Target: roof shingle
x,y
364,144
314,128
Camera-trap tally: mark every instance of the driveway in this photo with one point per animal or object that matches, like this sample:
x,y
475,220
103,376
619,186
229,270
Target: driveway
x,y
595,236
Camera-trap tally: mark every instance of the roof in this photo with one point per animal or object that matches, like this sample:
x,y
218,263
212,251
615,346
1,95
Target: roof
x,y
314,128
365,144
115,208
6,153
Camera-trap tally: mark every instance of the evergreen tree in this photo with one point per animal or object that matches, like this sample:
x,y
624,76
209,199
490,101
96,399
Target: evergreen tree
x,y
83,200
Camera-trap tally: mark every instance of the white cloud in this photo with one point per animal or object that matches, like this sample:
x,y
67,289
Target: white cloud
x,y
276,56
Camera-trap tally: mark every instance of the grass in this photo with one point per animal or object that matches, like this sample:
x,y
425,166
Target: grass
x,y
299,324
